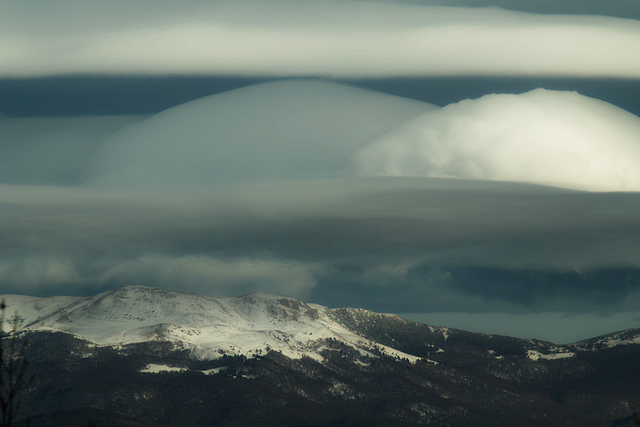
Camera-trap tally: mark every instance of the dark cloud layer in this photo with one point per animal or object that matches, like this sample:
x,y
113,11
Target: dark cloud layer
x,y
619,8
404,245
90,95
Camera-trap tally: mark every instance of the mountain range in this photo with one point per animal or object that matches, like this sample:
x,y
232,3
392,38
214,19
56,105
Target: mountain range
x,y
144,356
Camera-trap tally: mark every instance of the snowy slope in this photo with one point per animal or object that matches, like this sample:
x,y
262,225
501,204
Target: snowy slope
x,y
256,323
628,337
208,326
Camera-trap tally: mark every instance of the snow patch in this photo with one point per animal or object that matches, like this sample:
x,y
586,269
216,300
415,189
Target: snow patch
x,y
536,355
616,342
214,371
152,368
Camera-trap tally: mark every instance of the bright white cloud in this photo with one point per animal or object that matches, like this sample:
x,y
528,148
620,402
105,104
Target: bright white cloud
x,y
287,38
544,137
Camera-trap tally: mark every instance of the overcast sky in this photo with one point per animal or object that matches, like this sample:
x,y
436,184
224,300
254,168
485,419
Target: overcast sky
x,y
506,200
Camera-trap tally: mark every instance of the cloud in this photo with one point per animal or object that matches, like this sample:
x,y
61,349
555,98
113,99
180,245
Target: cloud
x,y
208,275
38,273
287,38
311,129
52,150
433,287
393,244
620,8
279,130
545,137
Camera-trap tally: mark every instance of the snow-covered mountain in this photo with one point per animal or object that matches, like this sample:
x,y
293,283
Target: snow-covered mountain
x,y
149,357
254,324
208,326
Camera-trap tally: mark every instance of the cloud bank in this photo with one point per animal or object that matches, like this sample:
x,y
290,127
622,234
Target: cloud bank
x,y
402,243
545,137
288,38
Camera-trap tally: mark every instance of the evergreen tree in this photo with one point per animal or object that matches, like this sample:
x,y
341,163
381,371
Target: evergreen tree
x,y
13,370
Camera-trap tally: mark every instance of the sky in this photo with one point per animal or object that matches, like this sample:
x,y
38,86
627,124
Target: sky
x,y
472,164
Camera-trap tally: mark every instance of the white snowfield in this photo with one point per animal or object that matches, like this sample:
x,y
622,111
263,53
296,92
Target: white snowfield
x,y
536,355
152,368
208,326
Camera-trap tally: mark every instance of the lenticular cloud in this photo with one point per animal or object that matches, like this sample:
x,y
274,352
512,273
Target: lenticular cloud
x,y
280,130
290,130
545,137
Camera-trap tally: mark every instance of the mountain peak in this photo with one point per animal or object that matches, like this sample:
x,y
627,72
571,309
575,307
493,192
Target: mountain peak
x,y
208,326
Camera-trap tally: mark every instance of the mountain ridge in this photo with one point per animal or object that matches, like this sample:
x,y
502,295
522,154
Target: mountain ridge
x,y
158,357
137,313
208,326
